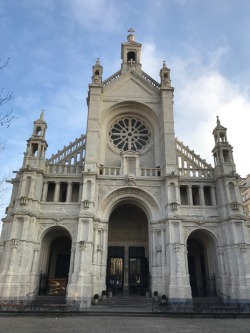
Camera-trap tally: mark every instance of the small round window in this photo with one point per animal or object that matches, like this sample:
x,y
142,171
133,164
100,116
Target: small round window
x,y
129,134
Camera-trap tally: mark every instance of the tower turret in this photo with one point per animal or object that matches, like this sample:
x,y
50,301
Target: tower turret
x,y
97,72
36,144
223,151
165,76
131,54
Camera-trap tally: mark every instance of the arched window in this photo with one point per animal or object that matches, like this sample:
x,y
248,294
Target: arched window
x,y
130,56
38,131
34,149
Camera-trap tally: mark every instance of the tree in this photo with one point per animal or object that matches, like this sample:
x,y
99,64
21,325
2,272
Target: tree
x,y
6,118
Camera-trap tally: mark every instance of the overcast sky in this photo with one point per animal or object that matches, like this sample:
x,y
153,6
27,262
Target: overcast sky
x,y
52,45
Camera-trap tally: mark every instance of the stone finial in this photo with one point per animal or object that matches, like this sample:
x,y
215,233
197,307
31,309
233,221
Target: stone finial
x,y
164,64
218,121
42,115
131,36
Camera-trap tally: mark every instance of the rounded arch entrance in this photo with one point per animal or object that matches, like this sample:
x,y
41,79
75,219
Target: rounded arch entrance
x,y
55,261
127,263
202,263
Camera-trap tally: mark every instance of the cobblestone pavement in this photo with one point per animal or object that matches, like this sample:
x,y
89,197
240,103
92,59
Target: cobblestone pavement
x,y
116,324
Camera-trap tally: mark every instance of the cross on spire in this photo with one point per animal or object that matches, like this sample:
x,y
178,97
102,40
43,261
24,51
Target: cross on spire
x,y
131,30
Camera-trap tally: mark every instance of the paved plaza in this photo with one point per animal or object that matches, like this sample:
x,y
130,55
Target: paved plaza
x,y
116,324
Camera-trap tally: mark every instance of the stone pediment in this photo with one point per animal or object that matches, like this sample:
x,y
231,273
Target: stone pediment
x,y
132,86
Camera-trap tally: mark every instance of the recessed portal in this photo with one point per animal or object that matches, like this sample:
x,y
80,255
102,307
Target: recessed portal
x,y
201,265
127,266
54,280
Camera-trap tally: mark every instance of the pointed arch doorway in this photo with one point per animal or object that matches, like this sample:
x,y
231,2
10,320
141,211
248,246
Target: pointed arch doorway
x,y
127,263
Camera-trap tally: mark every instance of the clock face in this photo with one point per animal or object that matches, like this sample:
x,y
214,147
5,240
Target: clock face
x,y
130,133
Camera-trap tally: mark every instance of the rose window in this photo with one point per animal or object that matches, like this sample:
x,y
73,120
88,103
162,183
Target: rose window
x,y
130,134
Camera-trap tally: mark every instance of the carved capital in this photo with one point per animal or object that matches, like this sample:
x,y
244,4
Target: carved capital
x,y
177,247
243,247
235,206
86,204
158,248
82,245
173,206
23,201
14,243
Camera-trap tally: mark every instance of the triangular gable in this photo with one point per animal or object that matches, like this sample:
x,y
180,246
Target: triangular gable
x,y
130,85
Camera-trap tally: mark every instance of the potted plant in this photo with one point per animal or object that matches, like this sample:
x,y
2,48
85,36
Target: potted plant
x,y
104,294
147,293
156,297
110,293
95,299
164,299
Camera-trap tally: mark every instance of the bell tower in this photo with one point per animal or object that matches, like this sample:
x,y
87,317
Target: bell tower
x,y
131,54
36,144
223,151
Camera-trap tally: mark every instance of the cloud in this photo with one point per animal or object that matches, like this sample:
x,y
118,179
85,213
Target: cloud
x,y
99,14
202,92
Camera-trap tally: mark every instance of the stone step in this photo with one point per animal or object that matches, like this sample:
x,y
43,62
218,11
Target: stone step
x,y
206,300
50,300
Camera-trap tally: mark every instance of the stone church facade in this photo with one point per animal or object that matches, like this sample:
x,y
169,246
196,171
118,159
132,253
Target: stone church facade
x,y
126,207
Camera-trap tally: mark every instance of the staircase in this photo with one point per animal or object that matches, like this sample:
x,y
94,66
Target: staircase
x,y
49,303
213,305
120,303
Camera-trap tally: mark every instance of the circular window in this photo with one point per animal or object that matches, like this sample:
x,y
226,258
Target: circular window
x,y
129,134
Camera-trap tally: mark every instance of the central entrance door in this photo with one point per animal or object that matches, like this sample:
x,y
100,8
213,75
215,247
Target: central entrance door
x,y
127,265
137,277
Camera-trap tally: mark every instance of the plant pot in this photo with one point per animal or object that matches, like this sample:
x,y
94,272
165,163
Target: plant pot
x,y
147,294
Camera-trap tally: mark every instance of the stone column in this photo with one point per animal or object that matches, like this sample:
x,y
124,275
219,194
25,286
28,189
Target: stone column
x,y
34,261
14,245
32,188
80,193
213,195
95,245
69,192
22,187
163,247
153,248
177,193
57,190
126,269
190,195
45,191
81,267
201,195
72,261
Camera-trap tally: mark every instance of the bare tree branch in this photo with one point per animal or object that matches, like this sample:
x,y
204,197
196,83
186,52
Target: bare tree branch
x,y
6,119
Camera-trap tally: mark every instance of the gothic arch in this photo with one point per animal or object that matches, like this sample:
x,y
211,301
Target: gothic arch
x,y
130,195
